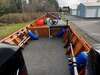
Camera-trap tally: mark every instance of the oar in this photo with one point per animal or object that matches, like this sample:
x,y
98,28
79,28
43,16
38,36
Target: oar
x,y
74,60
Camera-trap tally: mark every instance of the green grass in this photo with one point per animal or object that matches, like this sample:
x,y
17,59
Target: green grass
x,y
6,30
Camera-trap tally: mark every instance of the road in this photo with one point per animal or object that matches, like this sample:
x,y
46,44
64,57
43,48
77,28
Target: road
x,y
89,26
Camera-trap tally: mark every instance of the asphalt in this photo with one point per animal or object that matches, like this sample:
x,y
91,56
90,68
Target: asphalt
x,y
90,26
46,57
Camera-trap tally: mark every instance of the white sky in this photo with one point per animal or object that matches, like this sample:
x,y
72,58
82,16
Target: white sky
x,y
72,3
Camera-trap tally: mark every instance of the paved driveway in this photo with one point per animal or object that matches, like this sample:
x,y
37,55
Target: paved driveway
x,y
90,26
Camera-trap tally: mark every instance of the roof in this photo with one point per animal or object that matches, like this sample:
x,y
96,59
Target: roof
x,y
91,4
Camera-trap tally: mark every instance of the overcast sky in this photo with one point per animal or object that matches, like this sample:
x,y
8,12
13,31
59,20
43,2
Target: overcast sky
x,y
72,3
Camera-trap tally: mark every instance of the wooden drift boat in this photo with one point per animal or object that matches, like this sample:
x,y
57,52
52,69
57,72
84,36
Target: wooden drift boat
x,y
44,39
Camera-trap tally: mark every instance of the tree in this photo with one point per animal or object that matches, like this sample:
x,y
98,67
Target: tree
x,y
18,5
15,6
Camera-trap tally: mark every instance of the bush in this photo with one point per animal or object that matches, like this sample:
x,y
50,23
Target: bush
x,y
18,17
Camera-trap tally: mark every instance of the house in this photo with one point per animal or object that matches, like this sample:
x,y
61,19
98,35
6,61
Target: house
x,y
89,10
74,11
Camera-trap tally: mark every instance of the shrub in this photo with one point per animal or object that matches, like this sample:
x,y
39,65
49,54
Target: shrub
x,y
18,17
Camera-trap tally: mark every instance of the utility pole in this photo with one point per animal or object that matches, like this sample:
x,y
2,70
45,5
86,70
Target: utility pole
x,y
22,4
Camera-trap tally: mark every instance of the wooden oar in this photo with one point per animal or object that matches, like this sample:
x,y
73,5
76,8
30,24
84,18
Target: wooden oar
x,y
74,60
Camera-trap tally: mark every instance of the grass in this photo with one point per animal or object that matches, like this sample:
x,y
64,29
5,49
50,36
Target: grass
x,y
6,30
